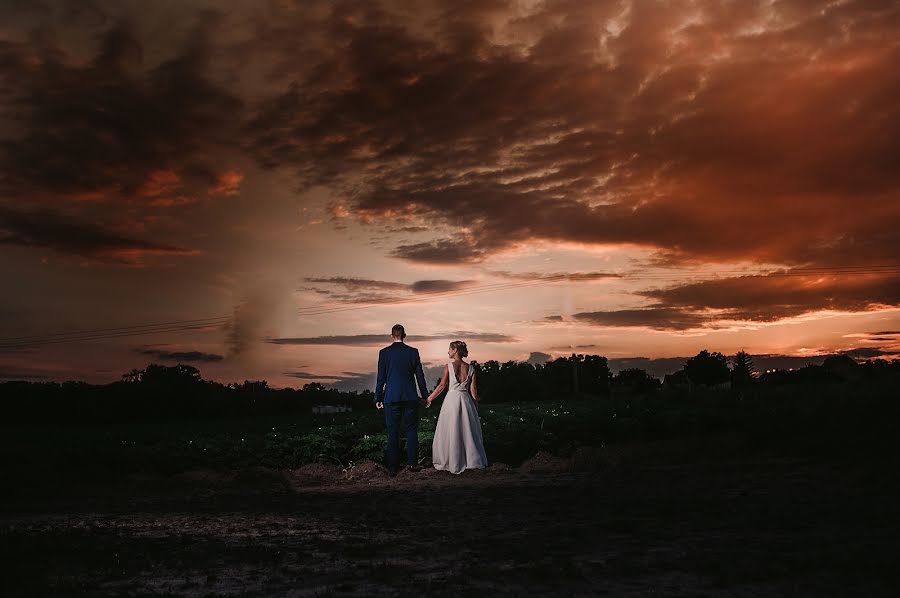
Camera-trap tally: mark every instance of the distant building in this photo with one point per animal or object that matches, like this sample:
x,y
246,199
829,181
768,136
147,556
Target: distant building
x,y
331,408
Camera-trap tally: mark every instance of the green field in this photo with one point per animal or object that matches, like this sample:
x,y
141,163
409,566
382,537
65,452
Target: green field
x,y
839,420
775,491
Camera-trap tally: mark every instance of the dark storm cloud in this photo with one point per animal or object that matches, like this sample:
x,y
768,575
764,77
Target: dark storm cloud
x,y
440,286
356,290
78,13
706,132
656,318
64,234
113,126
707,139
364,290
366,340
359,283
312,376
769,298
441,251
751,298
576,276
188,356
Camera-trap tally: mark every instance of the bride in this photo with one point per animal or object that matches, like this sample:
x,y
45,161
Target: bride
x,y
458,444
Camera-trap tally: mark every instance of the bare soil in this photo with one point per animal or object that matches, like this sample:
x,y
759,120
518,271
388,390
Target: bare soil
x,y
601,522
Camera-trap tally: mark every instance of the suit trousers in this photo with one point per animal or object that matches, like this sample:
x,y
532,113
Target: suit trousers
x,y
405,413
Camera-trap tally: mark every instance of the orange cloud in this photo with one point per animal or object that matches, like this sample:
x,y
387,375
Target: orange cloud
x,y
159,182
704,134
227,183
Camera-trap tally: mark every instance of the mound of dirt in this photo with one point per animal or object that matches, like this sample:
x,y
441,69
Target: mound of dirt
x,y
259,480
544,462
366,471
313,474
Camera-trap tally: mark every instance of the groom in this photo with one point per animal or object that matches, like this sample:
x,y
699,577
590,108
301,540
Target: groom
x,y
398,364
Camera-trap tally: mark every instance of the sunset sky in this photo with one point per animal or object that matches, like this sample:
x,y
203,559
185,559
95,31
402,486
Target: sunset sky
x,y
635,179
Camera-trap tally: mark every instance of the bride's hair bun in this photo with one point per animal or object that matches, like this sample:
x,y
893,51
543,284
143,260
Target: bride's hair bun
x,y
460,347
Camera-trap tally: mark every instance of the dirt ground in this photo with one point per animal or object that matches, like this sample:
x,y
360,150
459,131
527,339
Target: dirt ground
x,y
598,523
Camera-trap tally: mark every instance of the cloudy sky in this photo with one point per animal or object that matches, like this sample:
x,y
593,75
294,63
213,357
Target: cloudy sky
x,y
261,189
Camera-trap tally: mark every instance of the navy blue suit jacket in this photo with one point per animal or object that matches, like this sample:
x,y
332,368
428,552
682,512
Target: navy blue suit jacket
x,y
400,368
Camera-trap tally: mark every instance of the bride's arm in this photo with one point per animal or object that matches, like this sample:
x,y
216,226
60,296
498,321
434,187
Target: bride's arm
x,y
473,390
439,388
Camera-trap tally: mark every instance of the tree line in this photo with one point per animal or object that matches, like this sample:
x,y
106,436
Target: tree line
x,y
163,392
586,376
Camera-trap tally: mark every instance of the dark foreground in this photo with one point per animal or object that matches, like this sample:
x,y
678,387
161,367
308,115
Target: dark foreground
x,y
596,524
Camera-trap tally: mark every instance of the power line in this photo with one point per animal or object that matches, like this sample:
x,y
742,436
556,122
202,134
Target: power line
x,y
99,334
319,310
76,332
91,337
201,323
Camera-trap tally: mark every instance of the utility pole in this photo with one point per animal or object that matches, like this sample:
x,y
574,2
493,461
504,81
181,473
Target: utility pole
x,y
574,375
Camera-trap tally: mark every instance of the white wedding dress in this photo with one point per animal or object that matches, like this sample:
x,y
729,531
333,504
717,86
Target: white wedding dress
x,y
458,444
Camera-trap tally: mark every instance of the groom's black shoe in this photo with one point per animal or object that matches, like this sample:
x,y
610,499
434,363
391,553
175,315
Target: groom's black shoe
x,y
392,473
414,467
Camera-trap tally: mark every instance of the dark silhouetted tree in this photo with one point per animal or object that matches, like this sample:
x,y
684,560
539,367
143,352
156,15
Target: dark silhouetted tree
x,y
843,366
132,376
169,377
508,381
707,368
742,369
577,375
635,380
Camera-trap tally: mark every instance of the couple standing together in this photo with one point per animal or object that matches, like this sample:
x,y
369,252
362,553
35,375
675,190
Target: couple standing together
x,y
458,443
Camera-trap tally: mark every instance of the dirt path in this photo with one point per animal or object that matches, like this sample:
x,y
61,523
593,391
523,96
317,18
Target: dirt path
x,y
751,528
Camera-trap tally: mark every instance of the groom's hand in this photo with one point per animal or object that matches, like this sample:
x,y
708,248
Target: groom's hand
x,y
379,405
